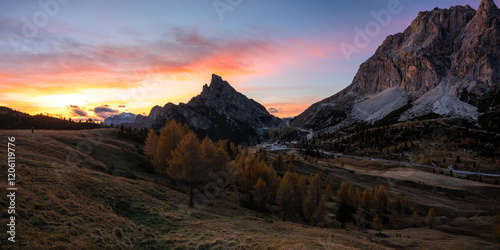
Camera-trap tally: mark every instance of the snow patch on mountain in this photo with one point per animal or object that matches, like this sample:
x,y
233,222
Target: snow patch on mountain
x,y
377,106
441,100
123,118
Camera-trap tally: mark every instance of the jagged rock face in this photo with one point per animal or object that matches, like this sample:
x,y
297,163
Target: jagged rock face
x,y
459,46
219,112
417,59
147,121
478,57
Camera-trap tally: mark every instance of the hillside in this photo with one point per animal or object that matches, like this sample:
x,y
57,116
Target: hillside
x,y
11,119
91,189
107,198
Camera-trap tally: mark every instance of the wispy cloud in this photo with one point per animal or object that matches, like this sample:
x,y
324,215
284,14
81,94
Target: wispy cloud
x,y
105,111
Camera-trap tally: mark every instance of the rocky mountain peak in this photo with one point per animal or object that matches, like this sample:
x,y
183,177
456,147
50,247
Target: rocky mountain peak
x,y
487,7
217,88
455,49
219,112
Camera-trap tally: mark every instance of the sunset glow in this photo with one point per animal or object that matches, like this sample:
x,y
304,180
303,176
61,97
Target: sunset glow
x,y
128,56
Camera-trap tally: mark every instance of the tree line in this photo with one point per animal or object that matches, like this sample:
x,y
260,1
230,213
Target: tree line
x,y
177,153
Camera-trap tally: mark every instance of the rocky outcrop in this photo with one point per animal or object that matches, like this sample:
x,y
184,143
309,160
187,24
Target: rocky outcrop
x,y
457,46
219,112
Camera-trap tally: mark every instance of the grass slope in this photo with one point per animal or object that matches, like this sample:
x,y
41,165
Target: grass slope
x,y
91,189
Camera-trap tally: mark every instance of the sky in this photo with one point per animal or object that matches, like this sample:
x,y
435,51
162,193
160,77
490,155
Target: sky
x,y
94,58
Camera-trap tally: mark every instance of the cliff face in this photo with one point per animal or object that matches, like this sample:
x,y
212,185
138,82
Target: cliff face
x,y
219,112
457,46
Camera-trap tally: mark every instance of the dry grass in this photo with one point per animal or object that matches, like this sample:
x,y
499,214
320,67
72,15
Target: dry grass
x,y
106,196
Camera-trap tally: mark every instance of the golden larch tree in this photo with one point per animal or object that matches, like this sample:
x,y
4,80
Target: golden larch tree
x,y
286,195
186,164
151,143
366,200
431,220
170,137
261,194
313,197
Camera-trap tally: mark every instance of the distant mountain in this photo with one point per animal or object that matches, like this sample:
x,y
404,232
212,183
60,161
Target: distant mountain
x,y
123,118
219,112
11,119
447,62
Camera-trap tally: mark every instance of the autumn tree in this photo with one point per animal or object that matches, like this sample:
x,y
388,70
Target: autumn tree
x,y
328,192
356,197
229,147
290,165
250,169
221,159
286,195
313,199
366,199
374,200
278,163
170,137
261,194
431,220
399,204
186,164
343,193
299,185
151,143
208,151
377,222
382,198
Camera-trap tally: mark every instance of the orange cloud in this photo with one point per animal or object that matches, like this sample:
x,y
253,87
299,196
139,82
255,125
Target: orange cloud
x,y
86,75
284,110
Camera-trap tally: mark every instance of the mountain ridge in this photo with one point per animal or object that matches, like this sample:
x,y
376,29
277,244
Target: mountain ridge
x,y
456,46
219,112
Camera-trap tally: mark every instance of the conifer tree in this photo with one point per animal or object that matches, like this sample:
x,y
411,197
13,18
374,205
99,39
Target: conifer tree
x,y
286,195
299,184
278,163
261,194
431,220
366,199
290,166
151,143
377,222
328,192
170,137
221,159
187,164
382,198
343,193
399,204
208,152
313,197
